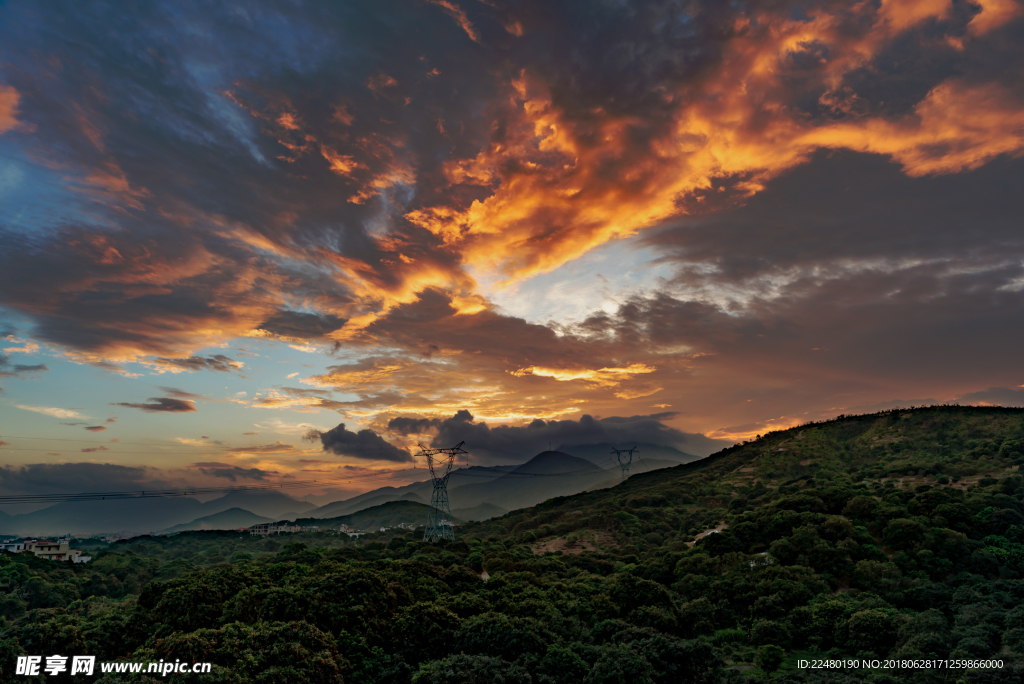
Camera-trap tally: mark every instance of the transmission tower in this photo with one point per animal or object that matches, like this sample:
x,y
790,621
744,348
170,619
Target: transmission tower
x,y
439,518
625,457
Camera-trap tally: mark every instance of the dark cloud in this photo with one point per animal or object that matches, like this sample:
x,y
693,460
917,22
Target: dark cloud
x,y
302,166
71,478
232,473
364,444
90,450
995,396
514,442
162,405
417,426
65,478
95,428
217,362
181,394
15,370
301,325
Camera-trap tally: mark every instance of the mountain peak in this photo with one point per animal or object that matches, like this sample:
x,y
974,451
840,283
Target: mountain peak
x,y
556,463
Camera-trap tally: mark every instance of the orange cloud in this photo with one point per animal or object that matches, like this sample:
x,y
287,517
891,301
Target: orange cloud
x,y
605,377
560,186
373,373
341,164
994,13
956,127
739,433
9,99
459,16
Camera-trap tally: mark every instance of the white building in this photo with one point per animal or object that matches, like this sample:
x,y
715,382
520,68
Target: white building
x,y
59,550
52,550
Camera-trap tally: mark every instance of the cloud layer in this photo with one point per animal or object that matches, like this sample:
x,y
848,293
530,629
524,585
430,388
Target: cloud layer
x,y
826,198
364,445
510,444
162,405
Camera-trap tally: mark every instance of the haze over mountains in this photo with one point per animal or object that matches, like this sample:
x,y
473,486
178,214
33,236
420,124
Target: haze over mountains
x,y
142,515
567,470
475,493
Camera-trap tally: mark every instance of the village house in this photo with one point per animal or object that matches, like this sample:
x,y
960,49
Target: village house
x,y
59,550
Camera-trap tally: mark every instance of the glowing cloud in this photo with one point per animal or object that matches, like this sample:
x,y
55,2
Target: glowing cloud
x,y
53,412
605,377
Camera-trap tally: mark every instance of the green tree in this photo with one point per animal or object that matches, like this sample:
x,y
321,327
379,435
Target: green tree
x,y
471,669
561,665
618,664
769,658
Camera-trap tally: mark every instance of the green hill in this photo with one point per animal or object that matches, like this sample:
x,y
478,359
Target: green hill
x,y
390,514
947,447
895,536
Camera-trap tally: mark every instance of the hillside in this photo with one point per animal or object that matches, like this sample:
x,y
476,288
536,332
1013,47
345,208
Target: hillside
x,y
942,447
897,535
389,514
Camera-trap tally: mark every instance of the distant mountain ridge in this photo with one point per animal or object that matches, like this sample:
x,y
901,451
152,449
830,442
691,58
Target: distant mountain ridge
x,y
506,488
146,515
478,492
231,519
601,454
370,519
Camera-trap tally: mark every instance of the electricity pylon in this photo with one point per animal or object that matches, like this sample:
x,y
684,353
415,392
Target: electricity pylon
x,y
439,518
624,462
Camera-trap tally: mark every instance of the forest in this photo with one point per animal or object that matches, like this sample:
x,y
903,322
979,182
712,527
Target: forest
x,y
896,535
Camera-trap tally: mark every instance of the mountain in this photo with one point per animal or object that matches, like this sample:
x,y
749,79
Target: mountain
x,y
371,519
893,536
551,473
954,449
568,470
484,511
231,519
336,508
358,503
422,490
146,515
601,454
269,503
548,474
120,516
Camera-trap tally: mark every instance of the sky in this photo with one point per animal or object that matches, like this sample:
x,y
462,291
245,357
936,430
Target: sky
x,y
259,242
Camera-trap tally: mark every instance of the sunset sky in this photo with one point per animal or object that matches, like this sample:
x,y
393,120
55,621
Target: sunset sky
x,y
223,225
